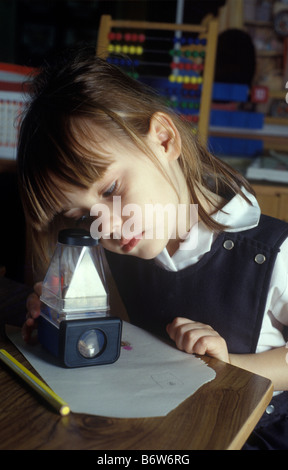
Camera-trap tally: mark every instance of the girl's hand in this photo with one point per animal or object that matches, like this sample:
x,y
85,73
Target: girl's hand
x,y
197,338
33,312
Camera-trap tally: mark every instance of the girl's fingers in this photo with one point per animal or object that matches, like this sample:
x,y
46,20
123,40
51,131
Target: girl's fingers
x,y
197,338
33,303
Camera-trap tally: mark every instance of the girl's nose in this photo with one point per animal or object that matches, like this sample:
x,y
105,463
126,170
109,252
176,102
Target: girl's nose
x,y
113,228
107,223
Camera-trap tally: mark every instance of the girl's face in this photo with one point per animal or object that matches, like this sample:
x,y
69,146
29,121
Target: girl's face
x,y
128,206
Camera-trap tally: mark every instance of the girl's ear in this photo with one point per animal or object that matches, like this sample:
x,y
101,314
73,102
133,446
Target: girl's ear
x,y
164,134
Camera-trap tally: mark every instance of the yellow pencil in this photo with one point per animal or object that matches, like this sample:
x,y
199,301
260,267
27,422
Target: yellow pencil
x,y
40,387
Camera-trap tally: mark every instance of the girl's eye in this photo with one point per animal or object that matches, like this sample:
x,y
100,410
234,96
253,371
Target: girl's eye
x,y
110,190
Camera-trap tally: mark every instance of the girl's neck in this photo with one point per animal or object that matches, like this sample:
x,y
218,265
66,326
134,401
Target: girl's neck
x,y
211,203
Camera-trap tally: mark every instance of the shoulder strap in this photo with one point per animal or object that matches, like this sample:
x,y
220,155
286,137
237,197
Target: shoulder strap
x,y
270,231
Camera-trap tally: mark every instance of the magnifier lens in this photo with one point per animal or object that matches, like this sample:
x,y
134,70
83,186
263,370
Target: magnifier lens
x,y
91,343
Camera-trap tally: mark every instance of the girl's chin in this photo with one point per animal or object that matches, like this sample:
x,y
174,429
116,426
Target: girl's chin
x,y
148,249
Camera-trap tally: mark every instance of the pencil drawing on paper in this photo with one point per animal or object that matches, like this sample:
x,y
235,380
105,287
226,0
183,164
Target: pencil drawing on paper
x,y
166,380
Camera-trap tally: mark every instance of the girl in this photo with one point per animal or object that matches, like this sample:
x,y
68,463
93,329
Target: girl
x,y
91,134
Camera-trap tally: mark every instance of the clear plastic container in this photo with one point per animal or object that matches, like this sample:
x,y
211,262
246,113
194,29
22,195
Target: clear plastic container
x,y
75,286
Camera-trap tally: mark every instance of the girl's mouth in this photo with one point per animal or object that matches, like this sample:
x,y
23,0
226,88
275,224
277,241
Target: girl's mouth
x,y
128,245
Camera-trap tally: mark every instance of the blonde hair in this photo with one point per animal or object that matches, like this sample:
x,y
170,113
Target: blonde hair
x,y
67,96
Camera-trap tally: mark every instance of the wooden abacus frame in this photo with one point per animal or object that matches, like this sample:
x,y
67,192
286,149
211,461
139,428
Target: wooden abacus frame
x,y
211,33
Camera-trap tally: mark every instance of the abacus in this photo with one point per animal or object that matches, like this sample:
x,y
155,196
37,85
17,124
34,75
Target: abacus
x,y
176,59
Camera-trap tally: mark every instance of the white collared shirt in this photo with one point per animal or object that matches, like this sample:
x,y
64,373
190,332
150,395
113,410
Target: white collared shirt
x,y
239,215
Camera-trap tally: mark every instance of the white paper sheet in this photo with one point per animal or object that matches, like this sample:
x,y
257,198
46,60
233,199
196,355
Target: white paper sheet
x,y
150,378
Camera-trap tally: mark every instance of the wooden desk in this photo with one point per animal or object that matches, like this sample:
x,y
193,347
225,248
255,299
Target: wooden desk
x,y
220,415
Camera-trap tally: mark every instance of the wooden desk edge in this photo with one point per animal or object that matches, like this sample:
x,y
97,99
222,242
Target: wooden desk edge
x,y
262,385
240,439
235,441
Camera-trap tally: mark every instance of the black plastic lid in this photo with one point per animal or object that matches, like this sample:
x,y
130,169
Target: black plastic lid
x,y
76,237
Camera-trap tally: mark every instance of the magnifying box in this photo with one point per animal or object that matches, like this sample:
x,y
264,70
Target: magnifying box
x,y
74,324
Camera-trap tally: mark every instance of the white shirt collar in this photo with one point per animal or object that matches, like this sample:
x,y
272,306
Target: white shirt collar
x,y
238,214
